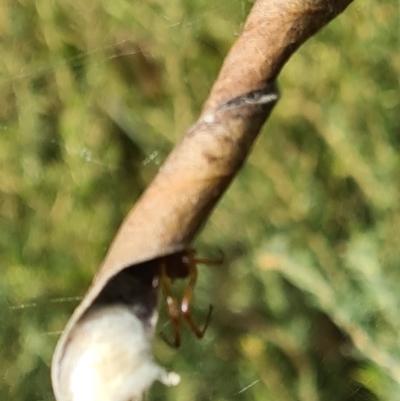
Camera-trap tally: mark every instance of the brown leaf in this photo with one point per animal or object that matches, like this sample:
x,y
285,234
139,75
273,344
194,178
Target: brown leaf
x,y
193,178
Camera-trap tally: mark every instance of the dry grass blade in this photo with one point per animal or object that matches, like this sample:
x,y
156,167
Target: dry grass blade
x,y
191,181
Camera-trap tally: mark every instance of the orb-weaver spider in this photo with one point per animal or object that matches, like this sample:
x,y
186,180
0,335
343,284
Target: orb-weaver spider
x,y
182,265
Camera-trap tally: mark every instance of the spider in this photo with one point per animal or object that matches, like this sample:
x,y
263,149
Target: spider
x,y
182,265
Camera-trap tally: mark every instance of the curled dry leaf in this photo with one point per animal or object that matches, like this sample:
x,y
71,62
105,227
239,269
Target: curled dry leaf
x,y
118,313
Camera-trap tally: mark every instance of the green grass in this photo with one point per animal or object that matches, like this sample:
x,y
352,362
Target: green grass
x,y
93,97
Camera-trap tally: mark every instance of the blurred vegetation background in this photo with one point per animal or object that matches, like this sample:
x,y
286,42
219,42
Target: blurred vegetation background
x,y
93,97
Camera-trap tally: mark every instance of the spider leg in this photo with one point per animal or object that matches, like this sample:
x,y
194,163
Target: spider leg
x,y
173,310
205,261
190,258
187,299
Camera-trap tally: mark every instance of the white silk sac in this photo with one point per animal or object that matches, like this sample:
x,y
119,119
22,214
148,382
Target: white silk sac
x,y
111,359
106,355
